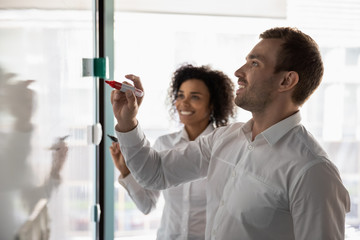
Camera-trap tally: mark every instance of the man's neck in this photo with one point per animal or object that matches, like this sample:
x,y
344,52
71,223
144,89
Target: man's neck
x,y
268,118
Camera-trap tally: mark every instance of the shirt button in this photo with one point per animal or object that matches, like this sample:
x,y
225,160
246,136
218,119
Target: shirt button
x,y
250,147
234,173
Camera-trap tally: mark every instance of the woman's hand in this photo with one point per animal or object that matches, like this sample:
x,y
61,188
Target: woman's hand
x,y
118,159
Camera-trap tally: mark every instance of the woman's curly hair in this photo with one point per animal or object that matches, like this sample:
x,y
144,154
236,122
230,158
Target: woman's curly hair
x,y
220,87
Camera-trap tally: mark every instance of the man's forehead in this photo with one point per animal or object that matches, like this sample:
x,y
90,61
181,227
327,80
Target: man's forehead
x,y
265,49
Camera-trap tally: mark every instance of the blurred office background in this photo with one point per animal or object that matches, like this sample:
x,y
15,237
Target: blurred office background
x,y
49,111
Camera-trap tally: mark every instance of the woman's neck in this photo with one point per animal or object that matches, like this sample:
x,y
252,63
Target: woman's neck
x,y
194,131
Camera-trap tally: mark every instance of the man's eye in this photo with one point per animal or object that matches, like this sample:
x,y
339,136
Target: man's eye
x,y
255,64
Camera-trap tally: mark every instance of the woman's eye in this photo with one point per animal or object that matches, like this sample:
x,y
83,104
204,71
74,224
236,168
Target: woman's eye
x,y
195,97
180,96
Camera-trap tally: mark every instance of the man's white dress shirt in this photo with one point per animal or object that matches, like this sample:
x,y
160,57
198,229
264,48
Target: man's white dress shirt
x,y
184,214
279,186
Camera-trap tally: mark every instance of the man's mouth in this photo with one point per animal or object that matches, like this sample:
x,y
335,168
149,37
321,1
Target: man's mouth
x,y
241,85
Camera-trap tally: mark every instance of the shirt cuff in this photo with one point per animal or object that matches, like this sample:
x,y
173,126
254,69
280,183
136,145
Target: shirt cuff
x,y
129,183
131,138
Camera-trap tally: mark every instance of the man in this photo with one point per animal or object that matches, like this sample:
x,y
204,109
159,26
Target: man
x,y
267,178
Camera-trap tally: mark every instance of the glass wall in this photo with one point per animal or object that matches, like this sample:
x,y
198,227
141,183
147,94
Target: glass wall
x,y
153,45
46,156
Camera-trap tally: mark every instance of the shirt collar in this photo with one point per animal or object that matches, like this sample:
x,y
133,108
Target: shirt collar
x,y
278,130
184,136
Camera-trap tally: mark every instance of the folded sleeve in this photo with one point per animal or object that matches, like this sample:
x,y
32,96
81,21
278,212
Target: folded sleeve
x,y
144,199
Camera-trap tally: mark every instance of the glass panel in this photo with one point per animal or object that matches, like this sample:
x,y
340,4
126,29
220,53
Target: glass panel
x,y
47,162
155,49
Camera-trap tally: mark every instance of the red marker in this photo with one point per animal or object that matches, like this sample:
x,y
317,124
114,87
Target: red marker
x,y
125,87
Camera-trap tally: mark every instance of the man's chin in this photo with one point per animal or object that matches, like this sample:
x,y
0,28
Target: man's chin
x,y
239,102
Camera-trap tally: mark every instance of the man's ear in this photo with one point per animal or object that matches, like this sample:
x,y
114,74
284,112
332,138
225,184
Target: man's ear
x,y
289,81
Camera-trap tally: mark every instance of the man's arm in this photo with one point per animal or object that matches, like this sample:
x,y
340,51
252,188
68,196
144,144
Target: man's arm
x,y
163,169
318,204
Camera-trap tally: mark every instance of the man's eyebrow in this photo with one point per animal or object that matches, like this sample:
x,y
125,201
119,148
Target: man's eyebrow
x,y
255,56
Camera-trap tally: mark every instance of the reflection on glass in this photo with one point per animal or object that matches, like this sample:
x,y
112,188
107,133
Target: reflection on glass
x,y
46,161
19,195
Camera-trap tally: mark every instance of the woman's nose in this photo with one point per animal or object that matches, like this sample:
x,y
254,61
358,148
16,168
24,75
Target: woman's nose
x,y
186,101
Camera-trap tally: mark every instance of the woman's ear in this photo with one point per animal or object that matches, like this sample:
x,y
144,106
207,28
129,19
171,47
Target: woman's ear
x,y
291,78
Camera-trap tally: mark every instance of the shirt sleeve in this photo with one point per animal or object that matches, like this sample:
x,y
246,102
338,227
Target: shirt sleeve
x,y
144,199
162,169
318,204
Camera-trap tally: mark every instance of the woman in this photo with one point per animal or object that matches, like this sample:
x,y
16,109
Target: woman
x,y
203,99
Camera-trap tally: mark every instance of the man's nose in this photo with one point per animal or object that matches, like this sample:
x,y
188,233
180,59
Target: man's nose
x,y
240,72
